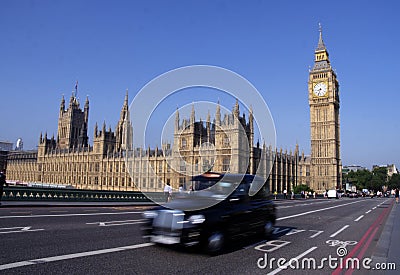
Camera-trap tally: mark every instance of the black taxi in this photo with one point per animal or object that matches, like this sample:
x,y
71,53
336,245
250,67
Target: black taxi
x,y
214,209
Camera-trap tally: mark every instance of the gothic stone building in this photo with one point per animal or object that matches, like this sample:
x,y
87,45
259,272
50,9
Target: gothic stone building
x,y
224,145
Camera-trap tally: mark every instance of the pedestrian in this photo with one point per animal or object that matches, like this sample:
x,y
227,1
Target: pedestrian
x,y
2,183
315,194
292,195
180,188
396,195
285,194
275,194
170,193
167,189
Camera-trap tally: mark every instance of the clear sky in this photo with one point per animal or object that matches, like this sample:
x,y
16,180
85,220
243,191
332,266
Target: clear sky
x,y
111,46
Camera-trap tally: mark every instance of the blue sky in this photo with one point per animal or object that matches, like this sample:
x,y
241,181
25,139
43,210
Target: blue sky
x,y
111,46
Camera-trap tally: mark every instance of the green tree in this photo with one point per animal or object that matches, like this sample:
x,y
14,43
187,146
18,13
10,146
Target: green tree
x,y
302,187
394,181
379,178
360,178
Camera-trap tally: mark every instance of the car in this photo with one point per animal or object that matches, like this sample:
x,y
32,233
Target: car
x,y
208,217
332,194
353,195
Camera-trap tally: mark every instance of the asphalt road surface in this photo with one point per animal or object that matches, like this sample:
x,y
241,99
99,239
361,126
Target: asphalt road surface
x,y
314,236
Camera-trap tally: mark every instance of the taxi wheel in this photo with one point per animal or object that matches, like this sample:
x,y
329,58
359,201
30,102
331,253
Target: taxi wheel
x,y
268,229
215,243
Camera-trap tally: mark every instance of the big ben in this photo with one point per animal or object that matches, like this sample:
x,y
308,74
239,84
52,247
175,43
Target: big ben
x,y
323,98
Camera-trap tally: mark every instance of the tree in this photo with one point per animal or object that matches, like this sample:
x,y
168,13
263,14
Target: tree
x,y
379,178
302,187
359,178
394,181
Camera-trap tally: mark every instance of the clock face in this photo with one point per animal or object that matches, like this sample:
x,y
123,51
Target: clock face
x,y
320,89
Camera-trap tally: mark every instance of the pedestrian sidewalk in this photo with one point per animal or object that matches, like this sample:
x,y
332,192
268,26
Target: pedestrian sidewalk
x,y
388,247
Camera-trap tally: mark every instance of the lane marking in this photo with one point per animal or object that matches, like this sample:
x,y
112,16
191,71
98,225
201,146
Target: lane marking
x,y
19,229
359,218
291,261
72,256
340,230
368,211
314,211
373,208
70,215
114,223
316,234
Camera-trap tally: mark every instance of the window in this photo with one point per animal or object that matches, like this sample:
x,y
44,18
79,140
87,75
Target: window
x,y
225,141
160,167
182,166
225,164
183,143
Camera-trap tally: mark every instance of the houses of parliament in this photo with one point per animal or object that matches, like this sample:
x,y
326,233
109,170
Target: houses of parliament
x,y
224,144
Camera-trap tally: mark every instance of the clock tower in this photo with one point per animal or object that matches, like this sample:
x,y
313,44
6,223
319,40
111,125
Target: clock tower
x,y
323,98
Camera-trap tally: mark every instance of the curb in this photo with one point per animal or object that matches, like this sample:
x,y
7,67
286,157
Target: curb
x,y
381,254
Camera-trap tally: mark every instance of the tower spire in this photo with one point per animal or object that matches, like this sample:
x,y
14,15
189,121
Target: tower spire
x,y
218,114
321,45
126,98
76,89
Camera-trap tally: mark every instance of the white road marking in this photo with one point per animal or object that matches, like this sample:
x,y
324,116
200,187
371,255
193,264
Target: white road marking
x,y
373,208
368,211
316,234
114,223
314,211
289,262
359,218
72,256
19,229
70,215
340,230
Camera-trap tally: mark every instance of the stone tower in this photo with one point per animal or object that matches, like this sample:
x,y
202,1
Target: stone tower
x,y
323,98
73,124
224,145
124,130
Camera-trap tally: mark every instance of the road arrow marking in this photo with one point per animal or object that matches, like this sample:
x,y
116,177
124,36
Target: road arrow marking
x,y
20,229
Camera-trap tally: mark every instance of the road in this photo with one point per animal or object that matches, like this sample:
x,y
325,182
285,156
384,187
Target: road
x,y
313,236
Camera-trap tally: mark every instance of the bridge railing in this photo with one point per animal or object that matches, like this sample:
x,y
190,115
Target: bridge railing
x,y
81,195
